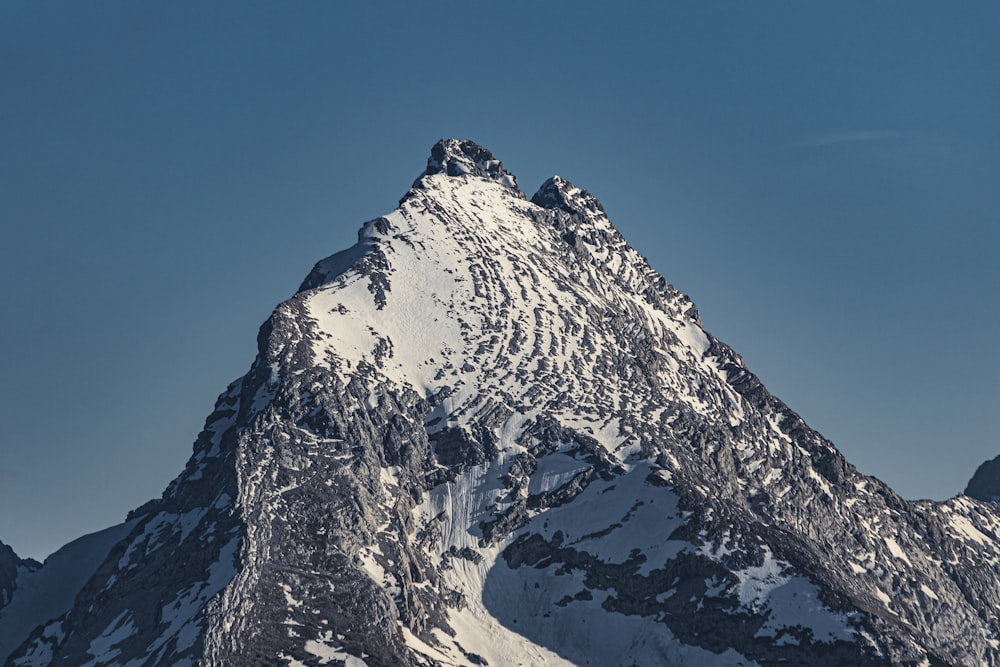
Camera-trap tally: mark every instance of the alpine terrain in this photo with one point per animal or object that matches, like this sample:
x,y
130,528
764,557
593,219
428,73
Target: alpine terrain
x,y
490,434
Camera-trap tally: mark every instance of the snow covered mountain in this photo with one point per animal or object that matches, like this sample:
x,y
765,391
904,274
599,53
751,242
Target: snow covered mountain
x,y
489,433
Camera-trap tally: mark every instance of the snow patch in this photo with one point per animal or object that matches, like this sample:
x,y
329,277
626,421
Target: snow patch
x,y
104,647
790,601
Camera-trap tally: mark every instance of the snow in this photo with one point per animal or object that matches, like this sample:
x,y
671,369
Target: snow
x,y
146,540
421,322
507,617
424,648
896,550
290,600
796,603
189,521
462,504
40,653
583,632
181,614
820,481
640,516
534,329
757,582
326,650
553,471
789,600
964,527
693,336
856,568
103,648
448,328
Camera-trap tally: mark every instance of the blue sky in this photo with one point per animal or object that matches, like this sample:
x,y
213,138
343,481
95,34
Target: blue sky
x,y
821,178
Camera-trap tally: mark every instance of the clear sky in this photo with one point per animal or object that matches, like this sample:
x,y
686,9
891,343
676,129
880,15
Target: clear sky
x,y
821,178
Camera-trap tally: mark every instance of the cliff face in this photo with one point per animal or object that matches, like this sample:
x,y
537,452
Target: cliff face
x,y
490,433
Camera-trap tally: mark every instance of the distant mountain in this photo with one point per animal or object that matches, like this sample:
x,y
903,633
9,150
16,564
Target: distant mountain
x,y
985,484
40,593
489,433
10,567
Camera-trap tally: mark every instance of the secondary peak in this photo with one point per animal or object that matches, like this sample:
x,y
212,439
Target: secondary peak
x,y
558,193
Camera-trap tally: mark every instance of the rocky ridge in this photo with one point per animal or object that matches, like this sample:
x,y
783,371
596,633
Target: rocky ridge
x,y
491,433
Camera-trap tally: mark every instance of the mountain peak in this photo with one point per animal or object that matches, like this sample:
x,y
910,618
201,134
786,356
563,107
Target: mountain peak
x,y
558,193
460,158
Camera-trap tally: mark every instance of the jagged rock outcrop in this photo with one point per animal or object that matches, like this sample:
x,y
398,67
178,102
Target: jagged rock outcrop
x,y
491,433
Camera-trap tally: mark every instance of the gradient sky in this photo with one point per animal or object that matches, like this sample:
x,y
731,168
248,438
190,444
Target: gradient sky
x,y
821,178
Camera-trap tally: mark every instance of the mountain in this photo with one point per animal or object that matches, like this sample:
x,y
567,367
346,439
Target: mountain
x,y
41,592
11,567
985,484
490,433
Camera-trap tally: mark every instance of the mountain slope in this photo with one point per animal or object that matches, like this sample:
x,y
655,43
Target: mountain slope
x,y
490,433
45,592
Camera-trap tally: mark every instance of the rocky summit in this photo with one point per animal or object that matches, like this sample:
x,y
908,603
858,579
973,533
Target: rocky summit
x,y
489,433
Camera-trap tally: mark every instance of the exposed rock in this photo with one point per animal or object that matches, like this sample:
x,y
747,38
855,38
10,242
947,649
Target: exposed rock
x,y
985,484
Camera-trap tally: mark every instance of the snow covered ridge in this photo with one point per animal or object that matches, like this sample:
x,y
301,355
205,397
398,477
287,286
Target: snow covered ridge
x,y
490,433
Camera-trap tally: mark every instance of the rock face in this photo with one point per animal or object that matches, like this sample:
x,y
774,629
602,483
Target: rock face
x,y
490,434
985,484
